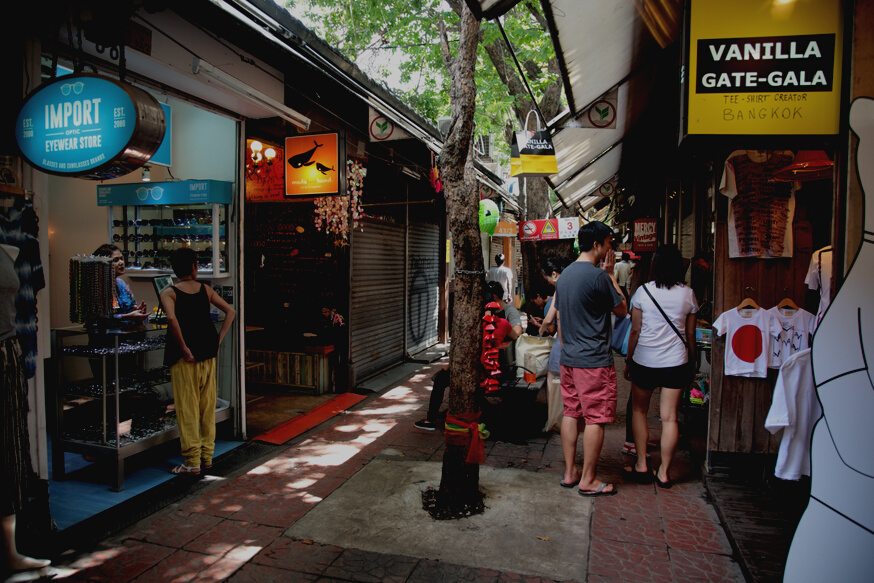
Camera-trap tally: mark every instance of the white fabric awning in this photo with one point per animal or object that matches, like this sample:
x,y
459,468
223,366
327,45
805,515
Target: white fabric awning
x,y
601,45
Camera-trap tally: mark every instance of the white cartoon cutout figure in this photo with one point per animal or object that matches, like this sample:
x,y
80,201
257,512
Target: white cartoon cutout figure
x,y
835,538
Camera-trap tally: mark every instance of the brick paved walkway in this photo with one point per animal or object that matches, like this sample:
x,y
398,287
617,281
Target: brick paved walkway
x,y
233,530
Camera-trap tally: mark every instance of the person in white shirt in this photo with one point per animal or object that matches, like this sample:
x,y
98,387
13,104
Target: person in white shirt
x,y
660,347
622,273
504,276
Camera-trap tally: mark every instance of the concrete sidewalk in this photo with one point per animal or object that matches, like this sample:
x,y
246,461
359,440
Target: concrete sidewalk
x,y
343,503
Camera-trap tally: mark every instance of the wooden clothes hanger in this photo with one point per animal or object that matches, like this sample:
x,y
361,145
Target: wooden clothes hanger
x,y
748,301
787,302
9,194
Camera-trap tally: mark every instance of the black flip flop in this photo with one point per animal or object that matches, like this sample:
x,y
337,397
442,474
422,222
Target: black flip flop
x,y
571,485
599,492
659,483
632,475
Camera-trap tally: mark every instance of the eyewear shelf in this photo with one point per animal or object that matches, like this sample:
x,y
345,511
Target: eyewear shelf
x,y
112,383
148,234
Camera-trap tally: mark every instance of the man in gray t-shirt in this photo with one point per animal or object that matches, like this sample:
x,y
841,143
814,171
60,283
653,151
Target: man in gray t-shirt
x,y
586,296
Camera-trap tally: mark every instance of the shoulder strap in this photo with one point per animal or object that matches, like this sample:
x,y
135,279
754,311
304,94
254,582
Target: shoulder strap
x,y
665,315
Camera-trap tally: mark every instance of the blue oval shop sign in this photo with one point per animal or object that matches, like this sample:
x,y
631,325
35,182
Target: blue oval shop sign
x,y
90,127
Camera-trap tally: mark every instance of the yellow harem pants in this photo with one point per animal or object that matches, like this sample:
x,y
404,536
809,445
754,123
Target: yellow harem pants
x,y
194,396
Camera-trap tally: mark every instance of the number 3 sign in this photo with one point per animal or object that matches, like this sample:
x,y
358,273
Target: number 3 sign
x,y
568,227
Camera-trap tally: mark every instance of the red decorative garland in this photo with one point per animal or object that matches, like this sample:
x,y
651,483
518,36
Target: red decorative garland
x,y
490,349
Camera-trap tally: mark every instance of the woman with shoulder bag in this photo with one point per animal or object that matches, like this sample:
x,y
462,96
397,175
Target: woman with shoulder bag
x,y
660,354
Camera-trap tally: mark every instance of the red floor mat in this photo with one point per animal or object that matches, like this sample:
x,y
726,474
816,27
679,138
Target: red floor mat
x,y
294,427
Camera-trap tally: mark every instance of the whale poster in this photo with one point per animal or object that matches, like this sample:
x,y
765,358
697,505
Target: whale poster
x,y
313,165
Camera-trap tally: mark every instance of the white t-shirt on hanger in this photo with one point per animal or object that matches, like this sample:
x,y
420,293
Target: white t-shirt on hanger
x,y
794,409
748,345
658,345
819,279
797,328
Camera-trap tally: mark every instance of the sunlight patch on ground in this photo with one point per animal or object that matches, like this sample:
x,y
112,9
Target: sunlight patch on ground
x,y
327,454
235,551
305,482
389,410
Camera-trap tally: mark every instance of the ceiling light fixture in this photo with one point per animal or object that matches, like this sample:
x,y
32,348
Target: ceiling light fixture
x,y
410,173
199,66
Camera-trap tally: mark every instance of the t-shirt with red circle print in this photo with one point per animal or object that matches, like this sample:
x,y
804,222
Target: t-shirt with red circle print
x,y
748,344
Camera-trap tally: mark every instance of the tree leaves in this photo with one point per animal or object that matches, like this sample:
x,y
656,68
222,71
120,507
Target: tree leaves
x,y
404,33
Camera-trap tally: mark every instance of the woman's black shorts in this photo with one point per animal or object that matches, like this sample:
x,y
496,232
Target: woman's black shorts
x,y
672,377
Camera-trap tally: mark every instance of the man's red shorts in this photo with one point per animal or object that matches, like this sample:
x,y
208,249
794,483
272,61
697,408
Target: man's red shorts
x,y
589,393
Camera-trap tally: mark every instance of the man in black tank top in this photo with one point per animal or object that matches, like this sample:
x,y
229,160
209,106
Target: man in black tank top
x,y
192,346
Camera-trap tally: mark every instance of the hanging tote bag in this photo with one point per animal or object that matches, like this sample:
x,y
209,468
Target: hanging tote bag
x,y
621,332
532,152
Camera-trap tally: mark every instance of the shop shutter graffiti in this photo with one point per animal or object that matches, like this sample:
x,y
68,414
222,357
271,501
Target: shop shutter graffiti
x,y
423,265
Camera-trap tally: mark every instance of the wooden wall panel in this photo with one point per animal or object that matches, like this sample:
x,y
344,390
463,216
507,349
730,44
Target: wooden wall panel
x,y
739,406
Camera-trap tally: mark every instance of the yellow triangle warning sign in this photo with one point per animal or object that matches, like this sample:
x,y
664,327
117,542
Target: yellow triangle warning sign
x,y
548,228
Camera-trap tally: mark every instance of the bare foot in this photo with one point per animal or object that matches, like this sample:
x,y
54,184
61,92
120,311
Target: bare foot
x,y
598,489
593,485
23,563
570,480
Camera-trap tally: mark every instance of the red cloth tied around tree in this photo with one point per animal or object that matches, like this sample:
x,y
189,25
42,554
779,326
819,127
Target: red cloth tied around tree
x,y
465,429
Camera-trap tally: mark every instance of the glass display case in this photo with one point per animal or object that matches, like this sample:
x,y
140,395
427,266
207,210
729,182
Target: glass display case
x,y
113,396
148,221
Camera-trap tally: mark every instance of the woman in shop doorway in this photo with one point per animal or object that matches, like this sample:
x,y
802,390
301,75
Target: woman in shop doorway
x,y
123,303
660,350
192,346
14,441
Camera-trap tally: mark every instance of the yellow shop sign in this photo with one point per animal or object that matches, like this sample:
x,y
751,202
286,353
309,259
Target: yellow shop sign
x,y
767,68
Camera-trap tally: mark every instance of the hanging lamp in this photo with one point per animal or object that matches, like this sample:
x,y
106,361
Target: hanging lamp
x,y
807,165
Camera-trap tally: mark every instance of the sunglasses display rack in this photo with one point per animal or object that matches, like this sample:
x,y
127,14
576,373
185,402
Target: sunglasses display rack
x,y
147,235
113,397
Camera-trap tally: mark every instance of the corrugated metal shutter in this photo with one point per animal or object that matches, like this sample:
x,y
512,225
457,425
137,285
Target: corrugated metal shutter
x,y
423,307
376,318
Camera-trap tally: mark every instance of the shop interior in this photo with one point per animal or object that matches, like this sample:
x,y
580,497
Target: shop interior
x,y
293,273
773,254
105,447
297,275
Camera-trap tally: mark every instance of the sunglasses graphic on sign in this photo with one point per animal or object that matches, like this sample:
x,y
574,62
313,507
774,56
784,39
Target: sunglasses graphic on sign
x,y
77,88
156,191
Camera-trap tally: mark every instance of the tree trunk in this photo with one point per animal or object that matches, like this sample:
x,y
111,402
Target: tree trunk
x,y
459,493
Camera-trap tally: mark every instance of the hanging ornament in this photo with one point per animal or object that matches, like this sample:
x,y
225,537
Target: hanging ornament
x,y
488,216
489,357
333,212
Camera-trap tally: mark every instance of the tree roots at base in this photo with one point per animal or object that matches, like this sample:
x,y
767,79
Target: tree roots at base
x,y
438,506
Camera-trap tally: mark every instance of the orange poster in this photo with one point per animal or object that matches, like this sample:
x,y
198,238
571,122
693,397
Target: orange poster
x,y
265,179
312,165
